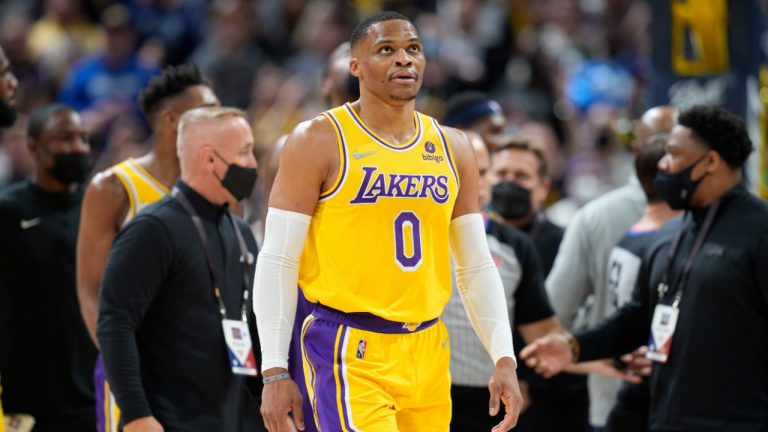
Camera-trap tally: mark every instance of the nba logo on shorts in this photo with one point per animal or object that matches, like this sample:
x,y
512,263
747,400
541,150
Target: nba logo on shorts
x,y
361,348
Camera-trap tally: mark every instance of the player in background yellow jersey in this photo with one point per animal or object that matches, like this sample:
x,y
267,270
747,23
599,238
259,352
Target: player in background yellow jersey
x,y
115,195
368,200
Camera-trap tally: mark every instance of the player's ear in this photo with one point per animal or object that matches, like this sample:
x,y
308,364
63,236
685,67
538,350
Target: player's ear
x,y
714,161
354,68
170,117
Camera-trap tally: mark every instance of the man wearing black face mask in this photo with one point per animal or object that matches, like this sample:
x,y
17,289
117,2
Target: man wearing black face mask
x,y
175,328
702,290
521,183
520,186
46,359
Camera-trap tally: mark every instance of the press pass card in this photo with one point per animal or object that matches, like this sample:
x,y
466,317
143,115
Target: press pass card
x,y
239,347
662,330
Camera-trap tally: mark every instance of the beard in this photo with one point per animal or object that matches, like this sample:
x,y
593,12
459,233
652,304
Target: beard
x,y
8,114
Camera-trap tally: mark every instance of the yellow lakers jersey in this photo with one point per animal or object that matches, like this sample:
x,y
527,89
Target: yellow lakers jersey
x,y
141,187
378,240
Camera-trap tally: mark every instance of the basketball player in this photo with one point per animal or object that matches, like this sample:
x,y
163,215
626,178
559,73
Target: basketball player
x,y
378,192
117,194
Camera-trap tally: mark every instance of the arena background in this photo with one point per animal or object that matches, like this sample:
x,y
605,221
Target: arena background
x,y
570,74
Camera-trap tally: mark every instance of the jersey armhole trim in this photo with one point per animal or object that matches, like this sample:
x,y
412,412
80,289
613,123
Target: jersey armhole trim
x,y
343,165
121,175
149,178
448,152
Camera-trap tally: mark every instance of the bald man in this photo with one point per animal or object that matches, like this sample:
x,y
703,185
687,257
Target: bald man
x,y
174,327
581,267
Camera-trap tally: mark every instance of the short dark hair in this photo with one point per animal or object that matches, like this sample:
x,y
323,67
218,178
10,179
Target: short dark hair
x,y
173,81
38,118
361,30
719,130
647,163
513,143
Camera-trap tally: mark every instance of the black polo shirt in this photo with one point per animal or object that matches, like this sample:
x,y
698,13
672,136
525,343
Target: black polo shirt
x,y
46,355
546,236
716,378
159,322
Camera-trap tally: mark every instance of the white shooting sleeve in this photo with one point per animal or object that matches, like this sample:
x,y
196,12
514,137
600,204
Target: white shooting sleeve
x,y
480,287
275,286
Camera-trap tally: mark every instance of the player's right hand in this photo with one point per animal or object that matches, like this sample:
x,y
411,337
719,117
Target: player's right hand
x,y
278,399
548,355
144,424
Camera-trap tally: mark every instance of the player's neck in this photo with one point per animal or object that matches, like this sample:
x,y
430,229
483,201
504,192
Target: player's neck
x,y
163,163
655,215
393,122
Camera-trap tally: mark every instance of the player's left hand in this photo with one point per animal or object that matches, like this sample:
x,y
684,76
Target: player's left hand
x,y
505,388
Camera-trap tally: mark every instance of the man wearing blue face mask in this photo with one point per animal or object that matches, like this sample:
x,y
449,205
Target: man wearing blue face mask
x,y
702,290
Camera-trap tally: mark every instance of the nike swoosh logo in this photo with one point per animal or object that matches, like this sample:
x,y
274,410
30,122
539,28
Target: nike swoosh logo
x,y
29,223
357,155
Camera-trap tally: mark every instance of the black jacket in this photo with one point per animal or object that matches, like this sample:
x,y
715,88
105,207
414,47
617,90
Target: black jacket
x,y
159,322
46,355
716,378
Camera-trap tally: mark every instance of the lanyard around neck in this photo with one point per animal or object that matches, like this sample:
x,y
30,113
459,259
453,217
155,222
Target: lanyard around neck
x,y
697,244
246,258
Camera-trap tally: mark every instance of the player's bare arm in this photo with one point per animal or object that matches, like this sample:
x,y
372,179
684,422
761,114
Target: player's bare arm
x,y
309,164
104,208
466,166
481,291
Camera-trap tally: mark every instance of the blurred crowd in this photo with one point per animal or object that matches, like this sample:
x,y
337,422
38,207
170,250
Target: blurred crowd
x,y
568,74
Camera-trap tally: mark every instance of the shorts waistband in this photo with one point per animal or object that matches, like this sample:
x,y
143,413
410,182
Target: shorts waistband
x,y
369,322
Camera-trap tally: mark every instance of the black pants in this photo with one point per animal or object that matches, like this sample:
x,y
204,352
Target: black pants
x,y
558,404
627,418
470,409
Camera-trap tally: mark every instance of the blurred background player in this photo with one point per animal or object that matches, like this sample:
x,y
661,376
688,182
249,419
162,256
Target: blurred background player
x,y
116,195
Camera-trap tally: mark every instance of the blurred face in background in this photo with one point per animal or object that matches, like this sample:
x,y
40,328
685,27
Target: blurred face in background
x,y
8,86
62,147
523,168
